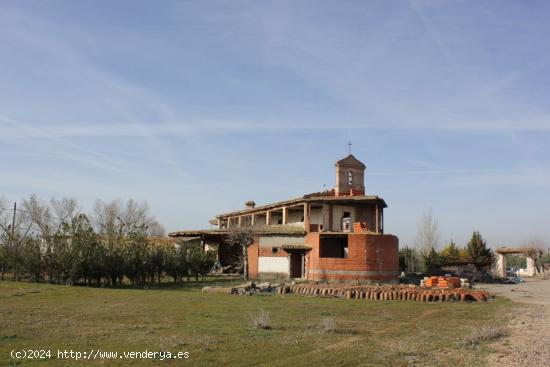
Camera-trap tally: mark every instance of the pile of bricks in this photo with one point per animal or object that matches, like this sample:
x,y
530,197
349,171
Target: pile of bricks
x,y
386,292
442,282
360,227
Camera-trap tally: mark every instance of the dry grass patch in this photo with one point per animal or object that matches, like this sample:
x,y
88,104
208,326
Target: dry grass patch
x,y
260,320
485,333
328,324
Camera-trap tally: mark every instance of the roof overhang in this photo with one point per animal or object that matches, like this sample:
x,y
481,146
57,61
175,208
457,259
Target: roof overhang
x,y
359,199
256,230
296,246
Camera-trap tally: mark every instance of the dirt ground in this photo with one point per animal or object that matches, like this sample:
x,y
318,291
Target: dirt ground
x,y
528,342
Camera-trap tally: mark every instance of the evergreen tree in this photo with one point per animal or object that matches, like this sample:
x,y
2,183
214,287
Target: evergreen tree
x,y
137,261
176,262
409,260
431,261
200,261
450,252
463,254
477,248
115,251
31,256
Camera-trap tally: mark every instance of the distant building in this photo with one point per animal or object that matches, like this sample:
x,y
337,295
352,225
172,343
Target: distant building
x,y
337,234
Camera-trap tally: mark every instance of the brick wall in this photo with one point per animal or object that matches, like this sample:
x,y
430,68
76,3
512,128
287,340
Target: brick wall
x,y
342,181
268,252
371,257
253,253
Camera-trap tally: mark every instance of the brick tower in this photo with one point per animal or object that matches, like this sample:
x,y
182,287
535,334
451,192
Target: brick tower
x,y
350,177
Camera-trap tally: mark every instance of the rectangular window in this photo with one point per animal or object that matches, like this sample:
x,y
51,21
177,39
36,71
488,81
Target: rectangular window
x,y
333,247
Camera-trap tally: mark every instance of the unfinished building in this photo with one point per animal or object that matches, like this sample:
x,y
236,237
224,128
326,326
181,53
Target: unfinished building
x,y
337,234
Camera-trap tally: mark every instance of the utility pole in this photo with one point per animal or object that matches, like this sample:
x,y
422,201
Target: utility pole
x,y
13,224
11,238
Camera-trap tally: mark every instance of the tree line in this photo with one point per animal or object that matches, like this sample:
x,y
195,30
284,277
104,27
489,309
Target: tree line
x,y
56,242
413,259
424,256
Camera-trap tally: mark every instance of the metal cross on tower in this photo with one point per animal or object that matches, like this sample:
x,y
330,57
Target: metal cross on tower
x,y
349,147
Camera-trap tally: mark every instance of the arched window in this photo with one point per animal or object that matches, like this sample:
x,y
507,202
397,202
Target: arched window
x,y
350,178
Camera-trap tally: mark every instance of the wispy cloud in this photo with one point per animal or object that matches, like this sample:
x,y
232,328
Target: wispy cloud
x,y
78,152
519,172
212,126
199,105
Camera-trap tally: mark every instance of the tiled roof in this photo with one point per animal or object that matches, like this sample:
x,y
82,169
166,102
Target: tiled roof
x,y
350,160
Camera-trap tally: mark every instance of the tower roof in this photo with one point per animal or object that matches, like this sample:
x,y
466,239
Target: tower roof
x,y
350,161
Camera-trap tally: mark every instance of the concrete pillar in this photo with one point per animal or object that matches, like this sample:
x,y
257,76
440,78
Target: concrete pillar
x,y
377,226
267,218
326,217
240,221
531,268
285,215
330,217
500,270
307,220
253,219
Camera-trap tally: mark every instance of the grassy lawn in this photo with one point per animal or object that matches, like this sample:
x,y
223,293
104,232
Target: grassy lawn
x,y
216,329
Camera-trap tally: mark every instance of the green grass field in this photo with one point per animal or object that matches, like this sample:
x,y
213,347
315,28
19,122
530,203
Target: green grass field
x,y
216,329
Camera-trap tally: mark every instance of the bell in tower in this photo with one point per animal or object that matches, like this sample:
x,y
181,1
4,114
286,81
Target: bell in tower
x,y
350,177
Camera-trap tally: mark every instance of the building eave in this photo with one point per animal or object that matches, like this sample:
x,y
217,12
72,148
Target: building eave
x,y
263,208
307,199
257,230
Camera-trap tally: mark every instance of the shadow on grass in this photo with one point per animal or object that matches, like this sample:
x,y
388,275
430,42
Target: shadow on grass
x,y
212,281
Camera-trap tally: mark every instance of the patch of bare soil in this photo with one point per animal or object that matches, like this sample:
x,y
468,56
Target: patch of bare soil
x,y
528,340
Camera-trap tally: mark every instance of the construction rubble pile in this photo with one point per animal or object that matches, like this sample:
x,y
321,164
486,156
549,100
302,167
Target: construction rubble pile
x,y
247,289
251,288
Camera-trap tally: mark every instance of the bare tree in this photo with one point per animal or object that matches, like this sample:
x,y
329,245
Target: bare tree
x,y
65,208
538,243
3,205
117,217
105,216
244,236
4,236
14,230
37,216
541,246
427,237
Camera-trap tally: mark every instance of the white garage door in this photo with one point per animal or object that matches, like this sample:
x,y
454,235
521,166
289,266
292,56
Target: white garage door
x,y
273,265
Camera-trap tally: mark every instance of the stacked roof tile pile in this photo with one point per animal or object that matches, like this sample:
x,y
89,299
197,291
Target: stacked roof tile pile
x,y
387,292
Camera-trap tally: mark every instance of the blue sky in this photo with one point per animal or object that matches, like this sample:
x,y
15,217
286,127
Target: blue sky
x,y
198,106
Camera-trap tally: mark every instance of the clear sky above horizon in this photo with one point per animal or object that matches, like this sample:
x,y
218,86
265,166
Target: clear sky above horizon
x,y
199,106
